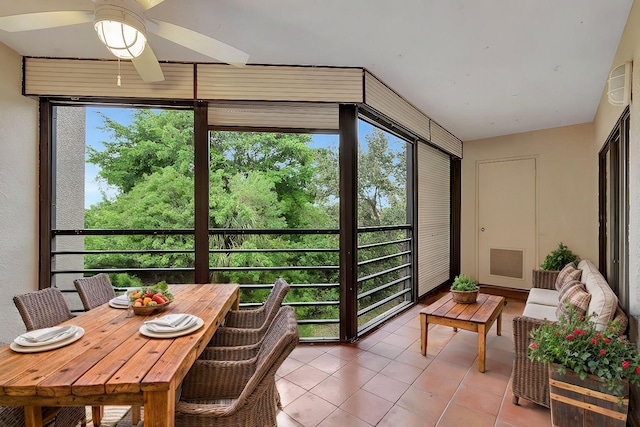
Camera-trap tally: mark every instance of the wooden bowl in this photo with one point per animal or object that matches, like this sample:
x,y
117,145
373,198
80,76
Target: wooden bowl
x,y
148,310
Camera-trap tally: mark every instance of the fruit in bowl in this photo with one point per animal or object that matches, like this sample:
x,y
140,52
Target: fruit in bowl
x,y
151,299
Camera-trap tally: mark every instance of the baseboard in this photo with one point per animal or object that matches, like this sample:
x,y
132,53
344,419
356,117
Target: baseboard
x,y
510,293
517,294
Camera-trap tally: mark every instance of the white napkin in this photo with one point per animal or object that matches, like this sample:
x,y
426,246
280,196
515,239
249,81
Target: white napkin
x,y
121,301
49,334
170,322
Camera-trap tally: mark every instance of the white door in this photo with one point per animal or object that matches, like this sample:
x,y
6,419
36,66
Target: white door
x,y
506,222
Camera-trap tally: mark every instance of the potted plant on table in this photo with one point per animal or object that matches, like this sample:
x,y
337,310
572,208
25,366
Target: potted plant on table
x,y
589,370
552,264
464,289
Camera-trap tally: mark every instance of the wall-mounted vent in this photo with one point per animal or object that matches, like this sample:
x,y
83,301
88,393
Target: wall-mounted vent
x,y
507,263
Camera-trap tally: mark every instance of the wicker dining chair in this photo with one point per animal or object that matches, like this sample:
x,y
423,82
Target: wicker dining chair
x,y
244,344
43,309
259,317
237,393
95,290
233,337
244,351
247,329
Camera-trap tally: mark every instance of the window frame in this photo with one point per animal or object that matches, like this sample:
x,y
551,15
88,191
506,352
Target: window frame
x,y
613,207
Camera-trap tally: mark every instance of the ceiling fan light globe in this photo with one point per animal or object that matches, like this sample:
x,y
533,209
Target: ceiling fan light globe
x,y
121,28
123,40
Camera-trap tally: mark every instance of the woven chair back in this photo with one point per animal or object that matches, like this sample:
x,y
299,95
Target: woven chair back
x,y
95,290
279,341
274,301
42,309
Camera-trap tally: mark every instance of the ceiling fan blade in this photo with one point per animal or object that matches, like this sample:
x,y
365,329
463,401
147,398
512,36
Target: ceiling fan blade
x,y
41,20
148,4
147,66
199,42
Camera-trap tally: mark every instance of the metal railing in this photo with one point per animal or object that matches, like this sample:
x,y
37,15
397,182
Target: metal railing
x,y
385,273
384,284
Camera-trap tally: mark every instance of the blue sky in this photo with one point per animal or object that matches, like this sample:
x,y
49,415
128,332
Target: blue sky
x,y
94,137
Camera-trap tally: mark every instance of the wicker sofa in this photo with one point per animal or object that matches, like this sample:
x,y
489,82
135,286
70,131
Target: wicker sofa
x,y
530,380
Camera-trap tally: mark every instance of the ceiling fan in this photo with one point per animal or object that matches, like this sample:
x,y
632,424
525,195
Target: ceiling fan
x,y
122,26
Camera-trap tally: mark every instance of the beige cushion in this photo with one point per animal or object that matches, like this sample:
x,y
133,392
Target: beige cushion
x,y
573,294
568,273
538,311
543,297
604,302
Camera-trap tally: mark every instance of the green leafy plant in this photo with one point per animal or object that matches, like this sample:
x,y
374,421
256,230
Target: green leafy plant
x,y
164,288
573,342
124,280
463,282
558,258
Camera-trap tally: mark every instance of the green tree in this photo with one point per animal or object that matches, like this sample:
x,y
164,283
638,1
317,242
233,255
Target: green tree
x,y
153,141
381,179
326,187
257,181
284,159
382,171
161,200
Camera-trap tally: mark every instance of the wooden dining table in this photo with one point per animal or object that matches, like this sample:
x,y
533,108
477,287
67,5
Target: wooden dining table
x,y
113,363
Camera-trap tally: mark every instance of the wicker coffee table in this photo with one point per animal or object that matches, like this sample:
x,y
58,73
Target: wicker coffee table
x,y
477,317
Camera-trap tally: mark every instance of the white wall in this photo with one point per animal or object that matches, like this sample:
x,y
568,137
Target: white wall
x,y
18,192
567,189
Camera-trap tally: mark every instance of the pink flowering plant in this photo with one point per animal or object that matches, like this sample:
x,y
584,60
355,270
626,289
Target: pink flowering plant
x,y
573,342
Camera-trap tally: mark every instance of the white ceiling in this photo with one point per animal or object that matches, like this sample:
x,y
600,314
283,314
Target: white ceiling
x,y
480,68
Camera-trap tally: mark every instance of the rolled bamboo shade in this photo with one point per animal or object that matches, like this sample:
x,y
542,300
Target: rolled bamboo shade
x,y
281,115
95,78
434,218
287,97
279,83
383,99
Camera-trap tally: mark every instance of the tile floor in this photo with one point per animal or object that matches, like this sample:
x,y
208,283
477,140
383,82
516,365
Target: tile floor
x,y
383,380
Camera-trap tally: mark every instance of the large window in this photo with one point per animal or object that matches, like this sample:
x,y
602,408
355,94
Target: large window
x,y
614,209
146,194
122,195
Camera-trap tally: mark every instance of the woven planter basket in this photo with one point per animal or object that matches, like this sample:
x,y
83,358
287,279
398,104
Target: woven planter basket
x,y
465,297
